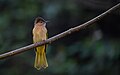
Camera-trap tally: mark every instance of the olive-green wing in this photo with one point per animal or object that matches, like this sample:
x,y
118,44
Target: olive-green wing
x,y
46,45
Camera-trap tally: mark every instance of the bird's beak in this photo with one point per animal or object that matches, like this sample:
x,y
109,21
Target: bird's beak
x,y
47,21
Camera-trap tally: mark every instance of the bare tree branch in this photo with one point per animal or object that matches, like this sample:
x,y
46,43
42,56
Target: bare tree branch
x,y
63,34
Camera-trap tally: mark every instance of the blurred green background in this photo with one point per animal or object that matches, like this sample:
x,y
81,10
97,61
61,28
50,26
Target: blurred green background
x,y
92,51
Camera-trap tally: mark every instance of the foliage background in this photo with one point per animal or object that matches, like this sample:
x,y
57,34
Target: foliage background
x,y
93,51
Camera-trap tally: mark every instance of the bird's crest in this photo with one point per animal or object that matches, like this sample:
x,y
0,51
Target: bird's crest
x,y
38,19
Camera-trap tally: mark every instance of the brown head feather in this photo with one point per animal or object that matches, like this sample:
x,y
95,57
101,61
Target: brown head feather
x,y
38,19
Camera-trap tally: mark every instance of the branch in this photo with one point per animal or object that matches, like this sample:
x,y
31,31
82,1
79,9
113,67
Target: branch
x,y
63,34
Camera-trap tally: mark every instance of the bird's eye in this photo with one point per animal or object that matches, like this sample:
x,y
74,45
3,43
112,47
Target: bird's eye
x,y
41,22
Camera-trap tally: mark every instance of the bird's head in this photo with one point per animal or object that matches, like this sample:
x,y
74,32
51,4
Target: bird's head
x,y
40,20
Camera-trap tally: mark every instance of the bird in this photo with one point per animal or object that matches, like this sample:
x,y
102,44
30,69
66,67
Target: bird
x,y
40,34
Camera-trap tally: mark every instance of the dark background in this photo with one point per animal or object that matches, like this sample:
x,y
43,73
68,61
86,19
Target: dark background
x,y
92,51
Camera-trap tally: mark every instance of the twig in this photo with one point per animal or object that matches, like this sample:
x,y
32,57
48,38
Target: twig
x,y
63,34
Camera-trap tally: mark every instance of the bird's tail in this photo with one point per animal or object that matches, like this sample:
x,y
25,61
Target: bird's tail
x,y
40,59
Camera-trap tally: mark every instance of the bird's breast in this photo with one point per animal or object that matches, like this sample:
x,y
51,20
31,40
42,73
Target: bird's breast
x,y
39,33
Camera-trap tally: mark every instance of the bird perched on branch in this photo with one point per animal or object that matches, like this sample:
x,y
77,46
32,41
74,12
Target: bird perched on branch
x,y
40,34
